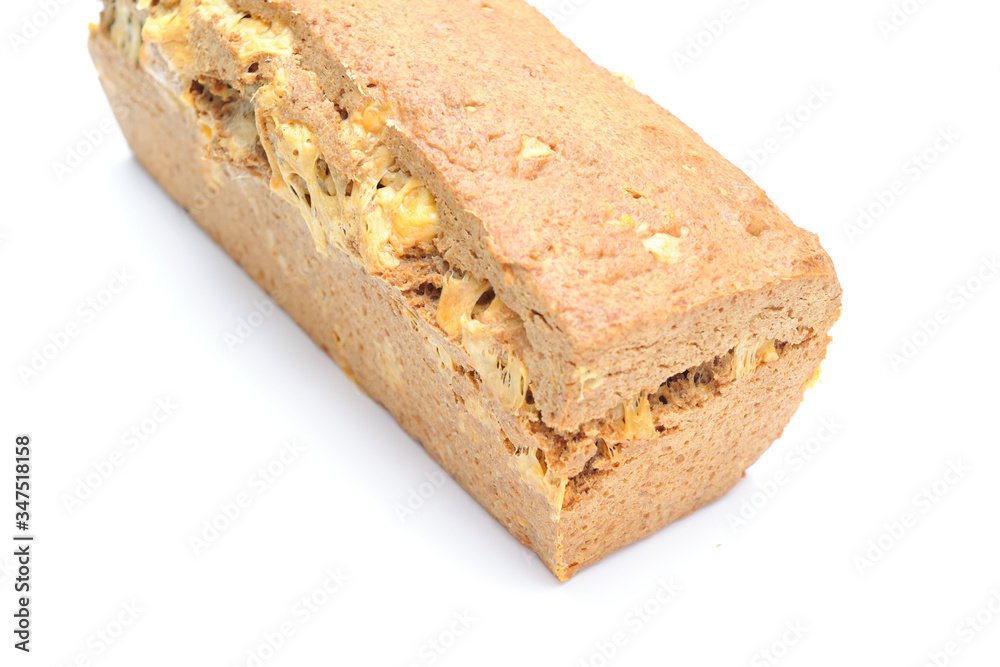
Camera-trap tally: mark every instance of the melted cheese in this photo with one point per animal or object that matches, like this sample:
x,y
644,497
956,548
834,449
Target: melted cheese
x,y
459,296
499,368
170,25
482,329
378,214
411,209
664,247
747,357
126,30
541,480
534,149
635,419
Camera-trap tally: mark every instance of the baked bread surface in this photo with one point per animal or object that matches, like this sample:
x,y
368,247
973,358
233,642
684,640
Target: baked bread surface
x,y
649,318
567,177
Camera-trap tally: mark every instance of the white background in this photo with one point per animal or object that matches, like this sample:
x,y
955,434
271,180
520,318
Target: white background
x,y
899,427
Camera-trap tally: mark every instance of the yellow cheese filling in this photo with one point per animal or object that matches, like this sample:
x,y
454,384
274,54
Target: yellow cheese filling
x,y
469,310
530,464
748,356
634,419
664,247
169,25
125,28
377,215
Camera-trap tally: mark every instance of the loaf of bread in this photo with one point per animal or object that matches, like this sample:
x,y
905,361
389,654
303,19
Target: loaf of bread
x,y
586,315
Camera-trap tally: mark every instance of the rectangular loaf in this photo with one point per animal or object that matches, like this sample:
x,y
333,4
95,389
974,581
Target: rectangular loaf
x,y
605,320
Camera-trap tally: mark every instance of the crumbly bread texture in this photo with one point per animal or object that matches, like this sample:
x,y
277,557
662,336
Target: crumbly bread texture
x,y
609,321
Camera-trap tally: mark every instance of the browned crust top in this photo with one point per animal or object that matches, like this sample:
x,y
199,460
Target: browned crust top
x,y
473,80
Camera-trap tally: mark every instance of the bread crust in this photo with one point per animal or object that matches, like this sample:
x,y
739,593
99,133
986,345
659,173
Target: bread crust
x,y
591,295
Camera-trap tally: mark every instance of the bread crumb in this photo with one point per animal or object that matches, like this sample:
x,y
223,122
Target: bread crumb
x,y
534,149
626,222
373,118
664,247
625,78
814,379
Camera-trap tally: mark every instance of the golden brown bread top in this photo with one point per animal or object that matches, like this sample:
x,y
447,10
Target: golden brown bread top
x,y
603,210
628,249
